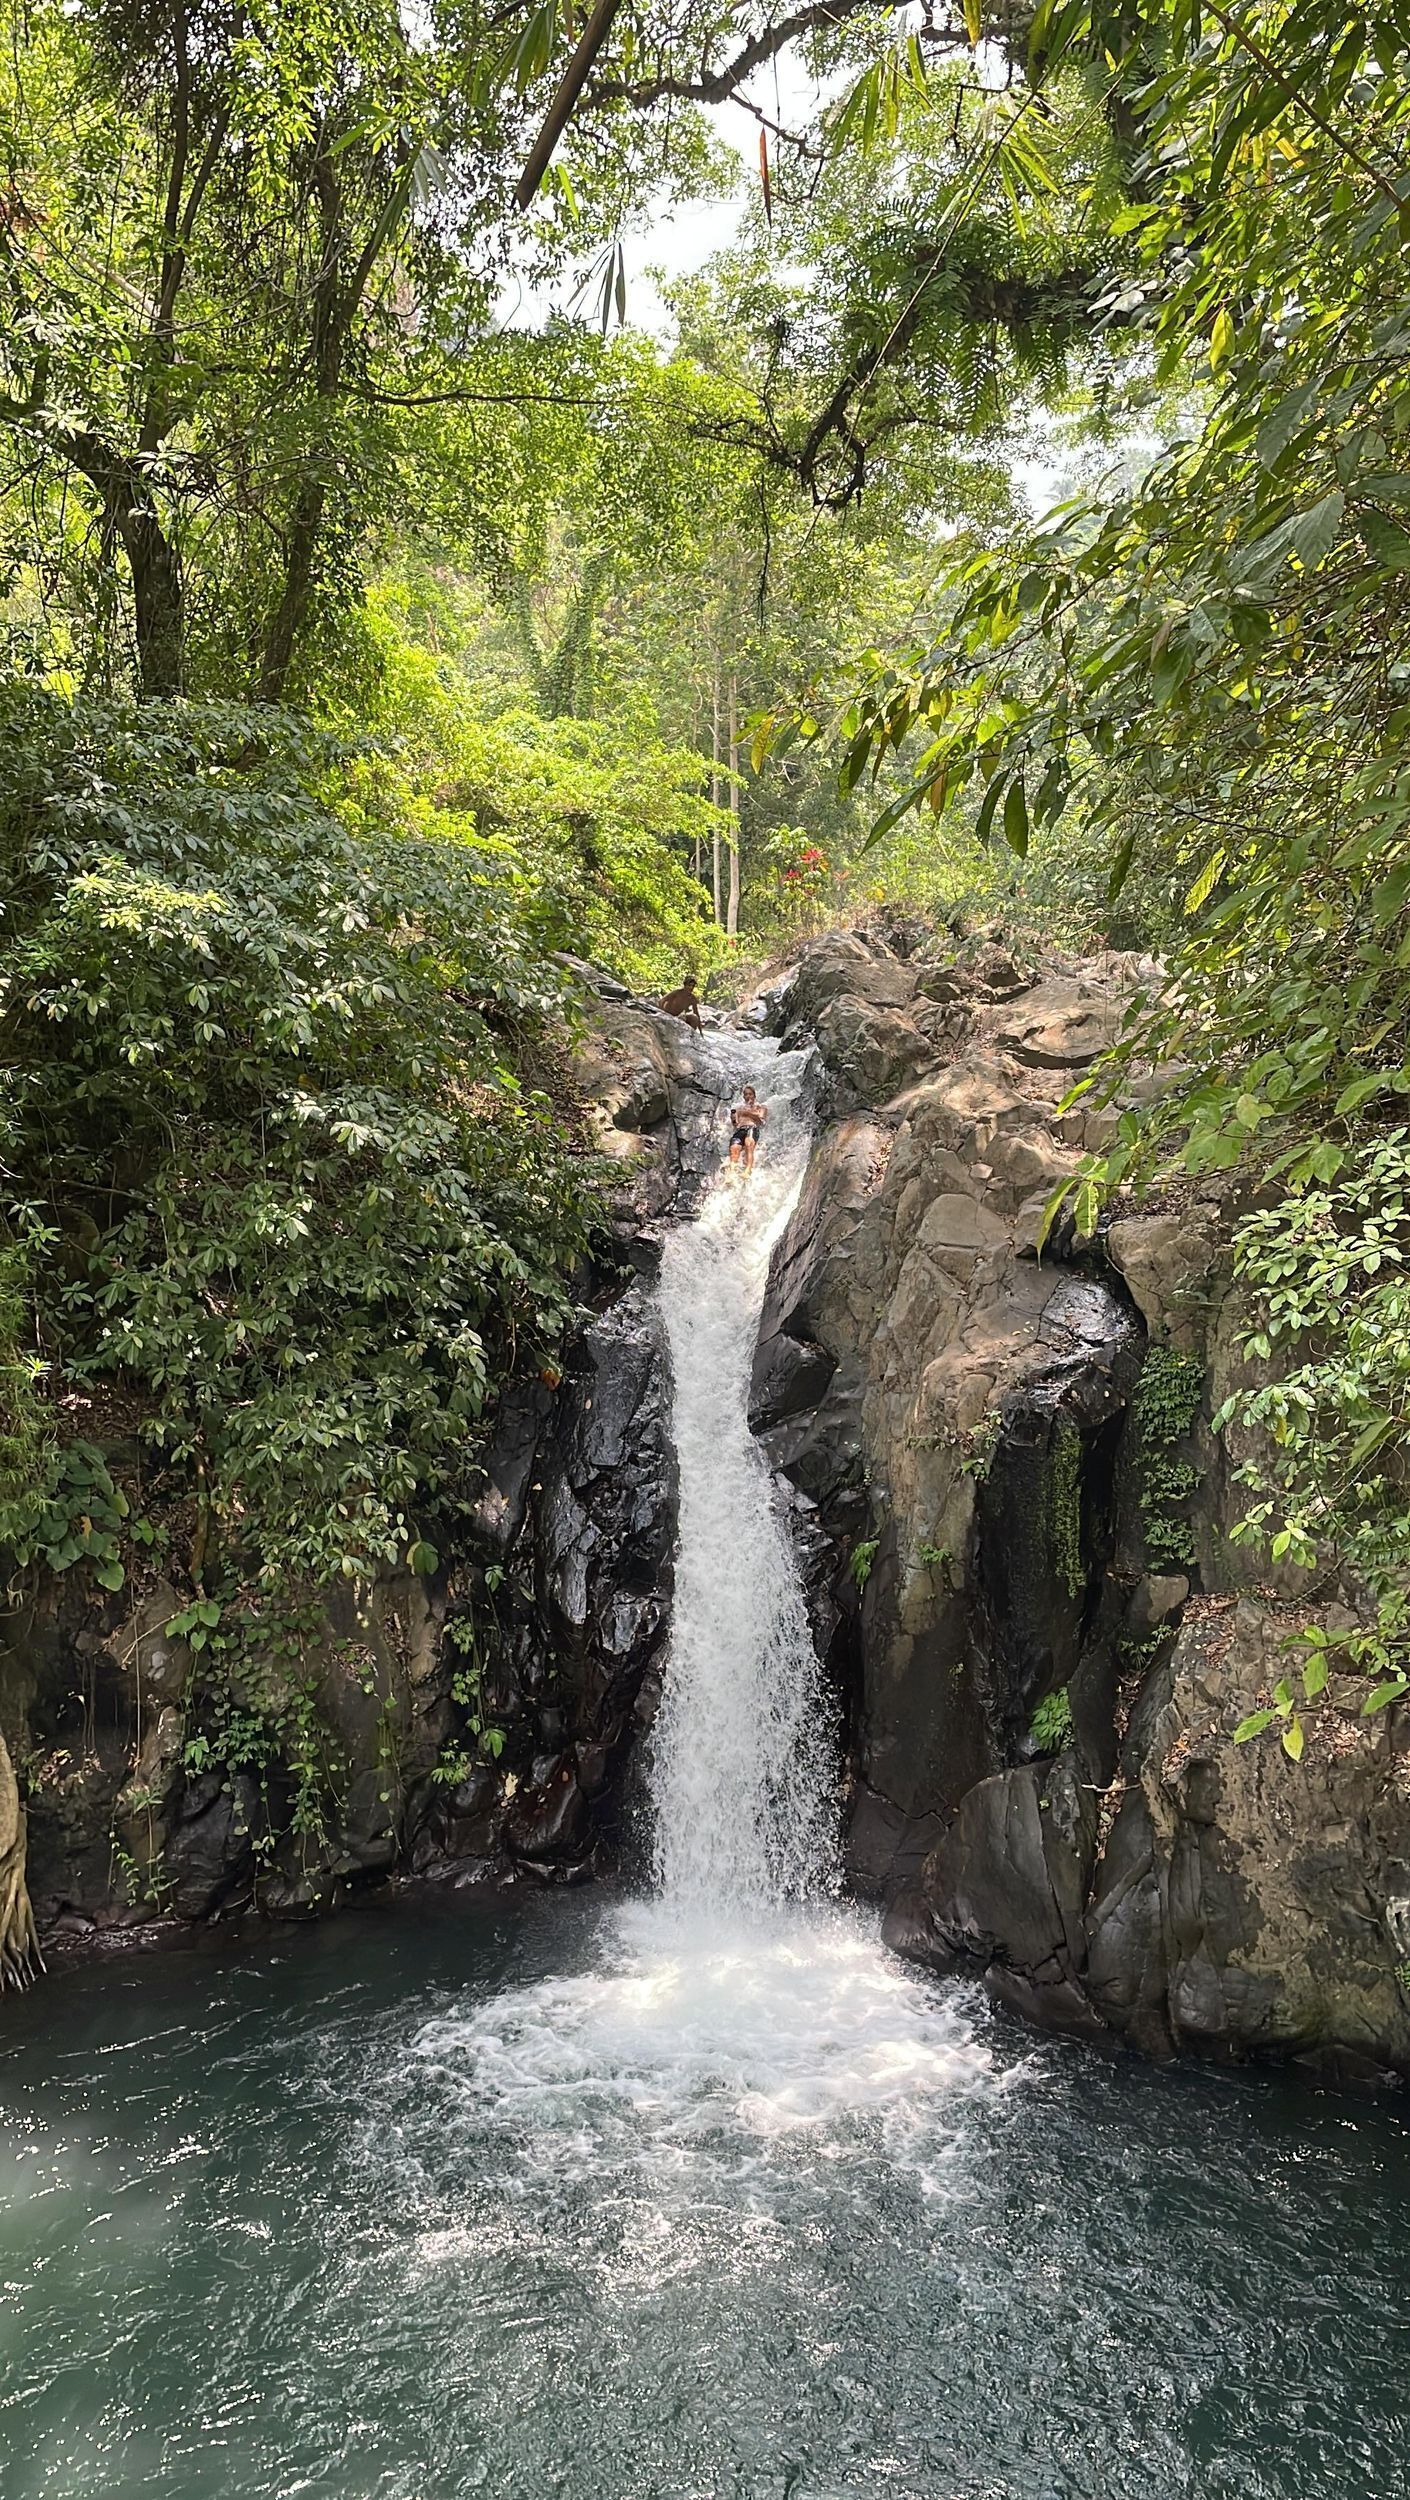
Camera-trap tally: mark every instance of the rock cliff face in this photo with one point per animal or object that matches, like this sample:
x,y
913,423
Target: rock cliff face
x,y
545,1624
1048,1635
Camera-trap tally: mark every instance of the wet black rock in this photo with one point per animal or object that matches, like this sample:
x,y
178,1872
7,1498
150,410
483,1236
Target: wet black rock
x,y
549,1822
1002,1896
209,1860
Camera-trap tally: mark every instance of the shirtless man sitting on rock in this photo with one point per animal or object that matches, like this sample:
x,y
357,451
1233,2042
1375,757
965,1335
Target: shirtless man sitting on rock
x,y
684,1003
746,1120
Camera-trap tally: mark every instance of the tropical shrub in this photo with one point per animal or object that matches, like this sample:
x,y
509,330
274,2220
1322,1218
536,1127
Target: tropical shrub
x,y
1324,1273
288,1198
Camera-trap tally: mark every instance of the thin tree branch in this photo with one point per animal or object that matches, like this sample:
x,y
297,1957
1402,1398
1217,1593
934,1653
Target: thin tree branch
x,y
718,86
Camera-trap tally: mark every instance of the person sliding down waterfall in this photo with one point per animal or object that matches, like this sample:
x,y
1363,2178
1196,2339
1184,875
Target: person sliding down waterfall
x,y
746,1120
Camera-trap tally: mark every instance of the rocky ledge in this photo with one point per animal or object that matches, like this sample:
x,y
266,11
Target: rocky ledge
x,y
1044,1634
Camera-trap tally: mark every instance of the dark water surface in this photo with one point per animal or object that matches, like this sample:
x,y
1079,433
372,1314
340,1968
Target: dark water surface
x,y
546,2197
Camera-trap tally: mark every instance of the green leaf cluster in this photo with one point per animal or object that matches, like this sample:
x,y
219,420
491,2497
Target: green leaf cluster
x,y
1322,1423
1051,1724
1164,1409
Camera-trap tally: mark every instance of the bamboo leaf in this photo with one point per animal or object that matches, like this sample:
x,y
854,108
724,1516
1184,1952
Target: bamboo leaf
x,y
1387,542
1121,868
989,809
1205,883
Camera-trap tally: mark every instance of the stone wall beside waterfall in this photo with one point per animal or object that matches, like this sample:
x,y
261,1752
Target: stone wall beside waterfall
x,y
1021,1526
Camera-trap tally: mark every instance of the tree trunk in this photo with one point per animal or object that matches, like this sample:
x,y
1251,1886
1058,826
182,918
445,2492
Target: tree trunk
x,y
158,594
715,796
159,604
331,319
336,305
732,913
283,626
697,856
20,1957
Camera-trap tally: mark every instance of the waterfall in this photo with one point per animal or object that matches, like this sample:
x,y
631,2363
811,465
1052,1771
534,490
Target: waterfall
x,y
742,1768
705,2069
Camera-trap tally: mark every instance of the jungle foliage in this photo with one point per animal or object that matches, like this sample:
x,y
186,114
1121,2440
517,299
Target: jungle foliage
x,y
1208,670
286,1202
368,644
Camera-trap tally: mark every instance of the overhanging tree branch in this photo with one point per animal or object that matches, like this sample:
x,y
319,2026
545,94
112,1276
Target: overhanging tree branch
x,y
570,87
718,86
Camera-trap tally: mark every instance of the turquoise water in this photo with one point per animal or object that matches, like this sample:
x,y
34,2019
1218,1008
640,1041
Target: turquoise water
x,y
552,2197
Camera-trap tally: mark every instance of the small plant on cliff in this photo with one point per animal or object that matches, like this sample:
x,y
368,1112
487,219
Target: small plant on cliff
x,y
980,1443
936,1558
1316,1667
1166,1487
863,1556
1168,1394
1051,1723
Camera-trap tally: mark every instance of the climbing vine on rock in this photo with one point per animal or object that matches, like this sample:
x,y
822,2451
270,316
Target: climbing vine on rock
x,y
1065,1508
1164,1409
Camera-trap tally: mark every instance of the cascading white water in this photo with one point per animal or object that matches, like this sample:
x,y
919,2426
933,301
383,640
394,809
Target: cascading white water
x,y
742,1759
735,2042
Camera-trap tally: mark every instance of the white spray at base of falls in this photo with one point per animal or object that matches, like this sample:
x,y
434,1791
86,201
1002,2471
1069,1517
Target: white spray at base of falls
x,y
742,1762
736,2057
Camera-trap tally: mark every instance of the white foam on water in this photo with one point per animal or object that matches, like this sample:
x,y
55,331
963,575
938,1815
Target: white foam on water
x,y
695,2055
